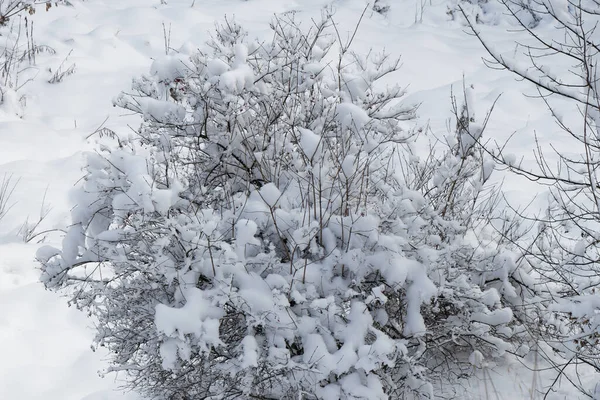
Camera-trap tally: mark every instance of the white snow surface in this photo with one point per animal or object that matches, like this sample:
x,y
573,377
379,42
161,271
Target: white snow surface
x,y
45,345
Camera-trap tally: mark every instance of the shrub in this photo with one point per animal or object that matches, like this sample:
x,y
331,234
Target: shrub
x,y
269,232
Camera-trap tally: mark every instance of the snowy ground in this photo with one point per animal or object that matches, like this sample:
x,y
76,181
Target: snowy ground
x,y
44,346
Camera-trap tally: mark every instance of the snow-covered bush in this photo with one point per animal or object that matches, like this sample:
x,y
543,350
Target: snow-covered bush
x,y
270,231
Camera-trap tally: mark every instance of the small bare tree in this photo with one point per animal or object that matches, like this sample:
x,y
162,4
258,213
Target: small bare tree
x,y
564,253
